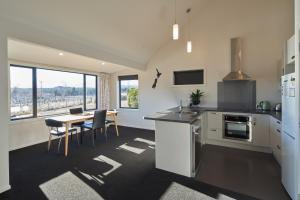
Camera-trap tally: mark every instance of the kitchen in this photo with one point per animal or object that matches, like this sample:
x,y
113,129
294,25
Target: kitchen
x,y
205,96
238,122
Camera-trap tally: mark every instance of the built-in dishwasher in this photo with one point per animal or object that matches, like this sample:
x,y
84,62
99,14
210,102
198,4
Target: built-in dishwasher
x,y
196,145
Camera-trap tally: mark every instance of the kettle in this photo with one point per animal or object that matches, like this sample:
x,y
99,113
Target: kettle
x,y
264,105
278,107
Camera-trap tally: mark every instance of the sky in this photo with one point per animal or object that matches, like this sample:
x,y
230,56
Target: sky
x,y
22,78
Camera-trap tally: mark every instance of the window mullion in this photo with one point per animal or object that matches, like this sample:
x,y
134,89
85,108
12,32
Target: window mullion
x,y
34,92
84,91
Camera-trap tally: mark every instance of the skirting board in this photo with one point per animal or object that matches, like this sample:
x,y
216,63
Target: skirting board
x,y
239,146
4,188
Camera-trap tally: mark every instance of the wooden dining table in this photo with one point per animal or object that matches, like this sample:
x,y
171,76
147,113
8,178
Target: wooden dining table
x,y
69,119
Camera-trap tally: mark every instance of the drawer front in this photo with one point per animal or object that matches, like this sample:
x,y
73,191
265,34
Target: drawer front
x,y
277,153
275,123
214,120
214,133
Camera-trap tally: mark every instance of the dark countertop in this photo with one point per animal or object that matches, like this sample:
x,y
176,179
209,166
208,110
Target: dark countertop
x,y
190,114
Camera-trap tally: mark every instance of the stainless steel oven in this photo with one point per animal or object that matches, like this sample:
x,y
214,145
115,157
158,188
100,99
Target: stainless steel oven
x,y
237,127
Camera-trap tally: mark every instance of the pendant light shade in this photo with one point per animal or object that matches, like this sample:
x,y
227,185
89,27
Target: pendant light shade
x,y
175,31
189,46
175,25
189,42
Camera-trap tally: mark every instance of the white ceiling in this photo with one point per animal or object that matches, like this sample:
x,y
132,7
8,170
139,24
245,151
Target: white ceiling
x,y
134,29
33,53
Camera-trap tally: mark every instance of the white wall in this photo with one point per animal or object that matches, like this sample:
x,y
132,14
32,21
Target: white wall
x,y
263,26
4,162
297,67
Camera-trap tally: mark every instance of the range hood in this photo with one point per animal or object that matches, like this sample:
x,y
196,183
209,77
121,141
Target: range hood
x,y
236,73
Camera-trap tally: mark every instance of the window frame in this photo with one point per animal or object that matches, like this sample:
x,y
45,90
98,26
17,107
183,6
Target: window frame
x,y
124,78
34,90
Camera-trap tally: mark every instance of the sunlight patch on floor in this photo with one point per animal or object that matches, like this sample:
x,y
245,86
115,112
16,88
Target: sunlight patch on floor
x,y
68,186
131,149
177,191
109,161
92,178
149,142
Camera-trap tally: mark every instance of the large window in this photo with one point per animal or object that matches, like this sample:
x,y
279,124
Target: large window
x,y
39,92
57,95
90,92
128,91
21,91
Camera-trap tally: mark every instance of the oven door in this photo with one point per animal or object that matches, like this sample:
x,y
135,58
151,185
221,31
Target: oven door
x,y
236,130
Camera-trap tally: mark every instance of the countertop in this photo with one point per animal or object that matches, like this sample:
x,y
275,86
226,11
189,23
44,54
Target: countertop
x,y
190,114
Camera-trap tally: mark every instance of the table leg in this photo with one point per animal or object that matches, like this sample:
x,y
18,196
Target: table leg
x,y
116,125
67,139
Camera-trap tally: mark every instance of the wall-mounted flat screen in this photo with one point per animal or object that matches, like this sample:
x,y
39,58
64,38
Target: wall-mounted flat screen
x,y
189,77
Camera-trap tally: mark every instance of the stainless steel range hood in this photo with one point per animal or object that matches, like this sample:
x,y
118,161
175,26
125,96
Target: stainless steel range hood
x,y
236,73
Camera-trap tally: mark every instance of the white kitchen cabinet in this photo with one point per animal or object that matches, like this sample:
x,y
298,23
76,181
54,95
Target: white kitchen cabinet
x,y
260,130
275,138
290,54
214,125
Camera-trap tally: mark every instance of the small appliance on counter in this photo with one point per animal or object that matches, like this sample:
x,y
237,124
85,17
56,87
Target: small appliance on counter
x,y
264,105
277,107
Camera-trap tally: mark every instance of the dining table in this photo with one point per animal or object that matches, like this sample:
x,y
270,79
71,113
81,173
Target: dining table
x,y
69,119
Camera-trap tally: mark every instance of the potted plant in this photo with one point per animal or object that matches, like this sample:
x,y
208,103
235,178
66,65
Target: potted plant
x,y
196,96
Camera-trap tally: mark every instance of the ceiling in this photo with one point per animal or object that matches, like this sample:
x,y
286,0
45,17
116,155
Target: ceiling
x,y
134,29
33,53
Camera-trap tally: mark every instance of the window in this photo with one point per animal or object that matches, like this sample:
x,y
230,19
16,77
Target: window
x,y
57,95
90,92
189,77
21,90
39,92
128,91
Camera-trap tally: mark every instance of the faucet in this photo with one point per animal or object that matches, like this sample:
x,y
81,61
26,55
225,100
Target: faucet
x,y
180,106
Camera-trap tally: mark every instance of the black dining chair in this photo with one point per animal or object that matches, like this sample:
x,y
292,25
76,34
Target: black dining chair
x,y
97,124
76,111
58,129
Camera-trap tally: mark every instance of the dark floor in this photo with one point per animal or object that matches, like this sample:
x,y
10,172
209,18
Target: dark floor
x,y
251,173
88,172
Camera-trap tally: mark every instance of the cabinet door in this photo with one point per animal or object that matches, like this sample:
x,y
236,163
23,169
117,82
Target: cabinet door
x,y
260,130
215,120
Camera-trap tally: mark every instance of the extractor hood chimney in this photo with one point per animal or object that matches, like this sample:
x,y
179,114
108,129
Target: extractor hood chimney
x,y
236,73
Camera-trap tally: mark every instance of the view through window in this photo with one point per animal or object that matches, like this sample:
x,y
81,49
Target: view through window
x,y
57,95
21,92
91,92
39,92
128,91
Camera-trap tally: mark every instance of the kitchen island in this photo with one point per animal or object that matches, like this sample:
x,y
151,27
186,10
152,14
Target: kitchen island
x,y
180,132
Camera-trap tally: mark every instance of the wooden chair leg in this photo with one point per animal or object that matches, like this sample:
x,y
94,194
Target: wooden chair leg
x,y
49,142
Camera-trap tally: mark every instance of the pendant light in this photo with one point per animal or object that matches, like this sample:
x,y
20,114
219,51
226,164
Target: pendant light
x,y
189,42
175,25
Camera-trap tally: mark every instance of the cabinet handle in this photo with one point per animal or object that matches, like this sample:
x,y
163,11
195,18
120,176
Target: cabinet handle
x,y
278,122
214,113
293,57
278,147
213,129
278,130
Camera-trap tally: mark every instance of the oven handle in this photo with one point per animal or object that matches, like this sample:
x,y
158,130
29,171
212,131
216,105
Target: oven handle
x,y
235,122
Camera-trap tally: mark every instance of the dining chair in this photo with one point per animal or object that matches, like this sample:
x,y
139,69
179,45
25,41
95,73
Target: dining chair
x,y
110,122
76,111
97,124
58,129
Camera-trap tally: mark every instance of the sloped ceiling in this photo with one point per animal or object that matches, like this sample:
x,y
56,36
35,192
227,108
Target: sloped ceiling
x,y
24,52
134,29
